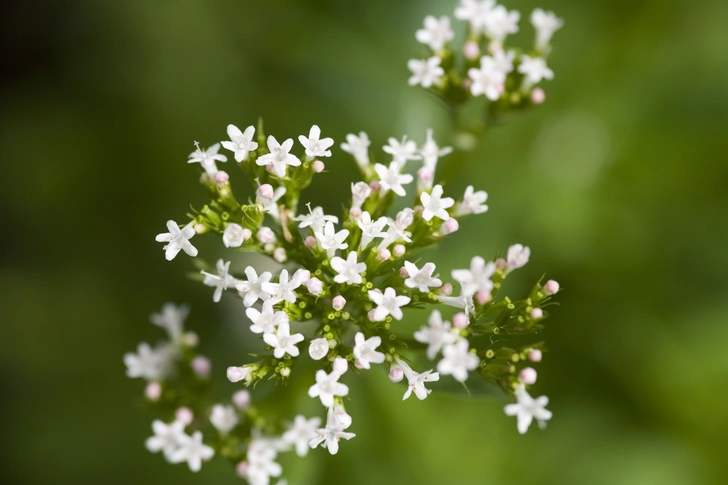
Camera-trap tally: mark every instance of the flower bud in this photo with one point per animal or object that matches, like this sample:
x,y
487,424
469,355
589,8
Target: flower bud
x,y
338,302
234,236
302,275
403,272
153,391
471,50
191,339
467,84
360,191
237,374
375,185
318,166
241,399
538,96
551,287
242,469
265,191
221,177
286,371
528,375
201,366
318,348
535,355
266,235
384,254
396,374
355,212
340,365
200,229
460,320
536,314
184,415
310,242
398,250
451,225
501,263
446,289
314,286
370,315
357,364
279,254
425,176
483,297
270,169
518,255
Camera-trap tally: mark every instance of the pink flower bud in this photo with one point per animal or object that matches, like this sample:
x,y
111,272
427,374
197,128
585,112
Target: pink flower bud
x,y
528,375
355,212
241,399
460,320
314,286
302,275
221,177
153,391
310,242
183,414
451,225
446,289
538,96
384,254
403,272
340,365
237,374
375,185
467,83
266,235
201,366
425,174
398,250
270,169
471,50
483,297
551,287
535,355
279,254
536,314
338,302
265,191
396,374
247,234
357,364
242,469
501,263
370,315
318,166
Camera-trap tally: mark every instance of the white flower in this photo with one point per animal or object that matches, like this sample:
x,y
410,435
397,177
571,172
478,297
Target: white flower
x,y
177,239
224,418
421,278
370,229
358,146
431,152
329,436
271,205
266,321
279,156
283,342
534,69
302,431
397,228
360,191
437,32
172,319
487,80
435,205
327,387
477,278
517,257
391,179
349,269
464,302
318,348
233,236
241,143
253,288
166,437
425,72
504,60
220,281
192,450
150,364
545,23
475,12
457,360
315,219
436,334
472,203
365,350
388,303
261,465
330,240
416,381
528,408
401,151
500,22
284,289
314,145
207,158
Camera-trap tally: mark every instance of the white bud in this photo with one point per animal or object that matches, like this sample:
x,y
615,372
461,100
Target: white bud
x,y
221,177
241,469
318,348
460,320
183,414
398,250
318,166
528,375
396,374
286,371
266,235
338,302
471,50
536,314
153,391
265,191
340,365
279,254
237,374
201,366
551,287
384,254
310,242
451,225
535,355
538,96
302,275
483,297
241,399
314,286
234,236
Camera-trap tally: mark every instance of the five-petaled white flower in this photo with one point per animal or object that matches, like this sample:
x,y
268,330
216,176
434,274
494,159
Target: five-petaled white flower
x,y
527,409
437,32
464,302
192,450
271,205
517,256
370,229
252,290
149,363
487,79
172,319
475,12
177,240
421,278
435,205
472,203
330,240
318,348
316,146
279,156
283,342
365,350
267,320
358,146
545,23
301,433
224,418
504,60
327,387
207,158
431,152
401,151
416,381
284,289
425,72
436,334
241,143
360,191
315,219
388,303
457,360
261,457
534,69
329,436
500,22
221,281
166,437
391,178
397,230
477,278
349,269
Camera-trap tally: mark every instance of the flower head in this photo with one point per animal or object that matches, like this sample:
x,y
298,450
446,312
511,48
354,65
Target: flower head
x,y
166,437
370,229
329,436
330,240
358,146
266,321
315,219
285,289
192,450
472,203
518,256
488,79
534,70
301,433
421,278
416,381
477,278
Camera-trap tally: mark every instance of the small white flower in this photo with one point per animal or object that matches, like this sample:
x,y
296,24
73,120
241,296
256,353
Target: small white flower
x,y
279,156
475,12
318,348
233,236
283,342
166,437
172,319
546,24
437,32
360,191
457,360
261,457
253,288
221,281
464,302
487,80
436,334
266,321
402,151
416,381
271,205
391,178
365,350
301,433
472,203
435,205
421,278
315,219
150,364
431,152
388,303
500,22
425,72
504,60
370,229
207,158
327,387
192,450
397,230
527,409
517,257
534,69
477,278
284,289
314,145
241,143
329,436
330,240
224,418
358,146
349,269
177,240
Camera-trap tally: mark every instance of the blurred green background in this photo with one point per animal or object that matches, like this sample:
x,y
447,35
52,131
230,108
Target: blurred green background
x,y
618,183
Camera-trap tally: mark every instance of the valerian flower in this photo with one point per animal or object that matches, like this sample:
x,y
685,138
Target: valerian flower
x,y
221,281
436,34
166,437
283,342
477,278
284,290
431,152
149,363
330,240
192,450
301,433
416,381
488,79
370,229
517,256
318,348
329,436
207,158
472,203
177,240
224,418
358,146
241,143
388,303
475,12
267,320
401,151
172,319
316,146
421,279
315,219
435,205
279,156
349,270
457,360
252,289
534,69
327,387
391,178
425,72
500,22
527,409
436,334
365,350
235,235
546,24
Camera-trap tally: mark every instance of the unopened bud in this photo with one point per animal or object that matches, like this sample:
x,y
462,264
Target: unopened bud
x,y
384,254
318,166
310,242
536,314
153,391
266,235
357,364
314,286
403,272
451,225
551,287
270,169
241,399
340,365
471,50
302,275
338,302
279,254
528,375
467,84
237,374
396,374
375,185
370,315
355,212
538,96
183,414
446,289
460,320
286,371
200,229
483,297
201,366
501,263
191,339
221,177
242,469
398,250
535,355
265,191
